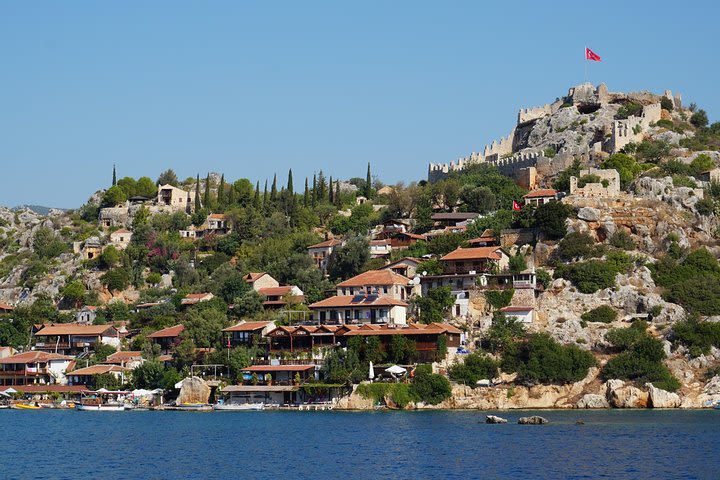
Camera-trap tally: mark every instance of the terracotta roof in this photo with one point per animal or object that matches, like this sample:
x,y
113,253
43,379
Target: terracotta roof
x,y
333,242
473,253
415,236
357,301
278,368
74,329
33,357
247,327
546,192
123,356
455,216
192,298
253,276
6,306
375,277
98,370
516,309
46,388
218,216
482,239
259,388
380,242
122,230
148,305
410,329
165,358
276,291
169,332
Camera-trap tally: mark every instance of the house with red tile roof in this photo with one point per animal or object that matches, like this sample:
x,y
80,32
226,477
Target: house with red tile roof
x,y
320,252
259,280
88,375
6,308
167,338
34,367
540,197
195,298
276,295
359,308
383,282
75,338
247,333
128,359
477,259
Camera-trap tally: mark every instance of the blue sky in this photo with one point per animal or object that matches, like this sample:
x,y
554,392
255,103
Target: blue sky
x,y
253,88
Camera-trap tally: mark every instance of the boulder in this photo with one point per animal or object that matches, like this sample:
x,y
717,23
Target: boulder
x,y
494,419
620,395
193,390
534,420
592,400
658,398
589,214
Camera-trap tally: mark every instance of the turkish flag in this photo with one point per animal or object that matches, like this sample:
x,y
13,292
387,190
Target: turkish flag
x,y
590,55
516,206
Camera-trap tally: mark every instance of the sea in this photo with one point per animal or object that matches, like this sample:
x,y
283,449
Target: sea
x,y
576,444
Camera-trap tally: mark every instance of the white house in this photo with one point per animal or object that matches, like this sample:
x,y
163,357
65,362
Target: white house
x,y
524,315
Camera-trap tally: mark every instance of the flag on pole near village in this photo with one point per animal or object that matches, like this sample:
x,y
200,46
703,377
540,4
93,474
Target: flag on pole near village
x,y
516,206
590,55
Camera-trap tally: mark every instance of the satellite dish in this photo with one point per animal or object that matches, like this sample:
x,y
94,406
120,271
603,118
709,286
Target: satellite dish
x,y
416,280
424,273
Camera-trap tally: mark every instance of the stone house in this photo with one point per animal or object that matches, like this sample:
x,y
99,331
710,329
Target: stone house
x,y
521,314
320,252
380,248
407,267
384,283
175,198
260,280
360,308
540,197
86,315
274,293
608,186
91,248
475,260
120,238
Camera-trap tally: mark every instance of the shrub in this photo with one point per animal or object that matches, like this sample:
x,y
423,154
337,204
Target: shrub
x,y
701,163
430,387
543,360
696,335
666,104
590,276
477,366
590,178
117,279
602,314
665,124
543,277
629,109
517,263
699,118
550,218
627,167
621,239
624,338
578,245
499,298
399,393
46,244
705,206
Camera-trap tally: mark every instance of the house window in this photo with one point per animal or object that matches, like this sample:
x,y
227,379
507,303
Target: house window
x,y
385,290
457,310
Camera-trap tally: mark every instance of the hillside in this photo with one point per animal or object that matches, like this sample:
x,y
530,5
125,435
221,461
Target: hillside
x,y
613,250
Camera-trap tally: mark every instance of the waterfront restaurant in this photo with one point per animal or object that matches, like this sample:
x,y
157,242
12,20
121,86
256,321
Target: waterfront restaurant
x,y
33,367
278,374
73,338
303,338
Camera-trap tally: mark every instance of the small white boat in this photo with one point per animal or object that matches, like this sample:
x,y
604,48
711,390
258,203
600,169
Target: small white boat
x,y
238,407
101,407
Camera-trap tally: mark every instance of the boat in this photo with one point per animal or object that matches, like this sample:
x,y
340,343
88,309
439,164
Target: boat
x,y
238,407
26,406
194,407
102,401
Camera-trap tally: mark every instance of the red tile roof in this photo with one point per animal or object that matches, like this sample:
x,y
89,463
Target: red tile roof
x,y
490,253
278,368
516,309
333,242
410,329
193,298
247,327
275,291
217,216
253,276
123,356
46,388
6,306
33,357
169,332
547,192
375,277
122,230
347,301
76,329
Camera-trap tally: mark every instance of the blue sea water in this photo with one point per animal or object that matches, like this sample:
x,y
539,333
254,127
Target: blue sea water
x,y
352,445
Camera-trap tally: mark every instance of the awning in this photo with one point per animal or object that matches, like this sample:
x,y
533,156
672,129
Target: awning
x,y
259,388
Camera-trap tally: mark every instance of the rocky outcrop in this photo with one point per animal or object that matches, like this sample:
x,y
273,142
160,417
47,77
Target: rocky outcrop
x,y
592,400
658,398
494,419
193,390
533,420
589,214
354,401
620,395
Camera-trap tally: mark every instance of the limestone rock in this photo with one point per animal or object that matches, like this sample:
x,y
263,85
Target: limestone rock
x,y
494,419
659,398
589,214
193,390
533,420
620,395
592,400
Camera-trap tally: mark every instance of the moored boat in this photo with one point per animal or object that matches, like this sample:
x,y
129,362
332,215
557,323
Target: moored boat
x,y
238,407
26,406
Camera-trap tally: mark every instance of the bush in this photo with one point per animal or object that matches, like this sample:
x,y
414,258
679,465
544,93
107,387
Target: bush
x,y
627,167
499,298
699,119
601,314
517,263
705,207
700,164
477,366
666,104
543,277
578,245
629,109
46,244
590,276
621,239
550,219
696,335
117,279
430,387
543,360
624,338
399,393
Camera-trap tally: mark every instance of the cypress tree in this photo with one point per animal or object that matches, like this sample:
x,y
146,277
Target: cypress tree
x,y
368,183
265,195
290,187
114,176
306,195
314,190
230,197
338,203
206,197
221,192
330,191
321,186
198,207
273,190
256,198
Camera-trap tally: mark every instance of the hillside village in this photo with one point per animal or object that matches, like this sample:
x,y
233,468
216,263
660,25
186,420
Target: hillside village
x,y
571,264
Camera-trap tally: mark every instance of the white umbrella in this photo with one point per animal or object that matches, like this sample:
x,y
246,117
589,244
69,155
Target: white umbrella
x,y
395,370
10,390
102,390
371,373
4,394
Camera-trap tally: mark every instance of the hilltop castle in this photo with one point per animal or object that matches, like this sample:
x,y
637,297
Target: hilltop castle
x,y
549,133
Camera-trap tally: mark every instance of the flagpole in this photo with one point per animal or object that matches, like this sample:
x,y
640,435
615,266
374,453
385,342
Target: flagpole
x,y
585,62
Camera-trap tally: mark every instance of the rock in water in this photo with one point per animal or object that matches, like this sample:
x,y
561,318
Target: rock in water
x,y
193,390
534,420
494,419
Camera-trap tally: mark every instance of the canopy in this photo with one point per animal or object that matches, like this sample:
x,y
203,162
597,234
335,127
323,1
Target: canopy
x,y
396,370
371,372
10,390
4,394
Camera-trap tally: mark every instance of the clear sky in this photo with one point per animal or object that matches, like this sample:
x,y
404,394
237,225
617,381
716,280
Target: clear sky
x,y
253,88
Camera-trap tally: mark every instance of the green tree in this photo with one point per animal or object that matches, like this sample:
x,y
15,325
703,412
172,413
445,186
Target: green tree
x,y
477,366
221,192
198,207
117,279
46,244
206,194
149,375
110,256
348,260
517,263
699,119
74,292
550,219
430,387
145,188
114,177
249,303
204,326
168,177
435,305
626,166
541,359
114,195
368,182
